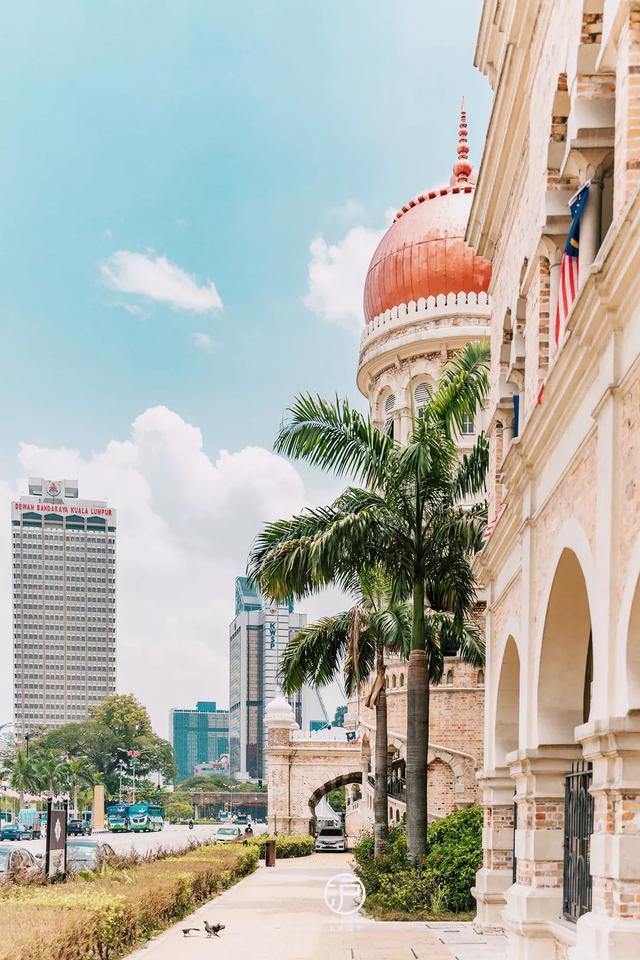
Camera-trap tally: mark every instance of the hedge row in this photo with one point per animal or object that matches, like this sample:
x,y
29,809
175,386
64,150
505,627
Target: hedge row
x,y
294,846
105,915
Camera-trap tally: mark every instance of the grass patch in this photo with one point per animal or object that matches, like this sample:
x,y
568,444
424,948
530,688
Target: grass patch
x,y
105,915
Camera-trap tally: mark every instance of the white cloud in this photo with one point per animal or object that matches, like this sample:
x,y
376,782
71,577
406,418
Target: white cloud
x,y
202,341
157,278
348,210
185,524
133,308
337,273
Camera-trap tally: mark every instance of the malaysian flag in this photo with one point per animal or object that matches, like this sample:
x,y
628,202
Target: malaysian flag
x,y
490,527
569,266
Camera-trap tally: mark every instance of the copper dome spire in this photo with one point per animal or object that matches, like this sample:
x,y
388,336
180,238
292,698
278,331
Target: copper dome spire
x,y
462,168
424,252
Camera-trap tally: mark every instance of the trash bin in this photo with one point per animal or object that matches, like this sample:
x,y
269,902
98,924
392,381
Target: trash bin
x,y
270,853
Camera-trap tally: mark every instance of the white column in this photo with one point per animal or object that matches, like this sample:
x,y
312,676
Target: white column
x,y
590,229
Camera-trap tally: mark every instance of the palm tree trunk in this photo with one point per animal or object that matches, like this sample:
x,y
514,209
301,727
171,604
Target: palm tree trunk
x,y
417,731
381,821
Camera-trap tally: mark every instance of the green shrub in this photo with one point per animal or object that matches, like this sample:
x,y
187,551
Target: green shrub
x,y
441,883
454,855
298,845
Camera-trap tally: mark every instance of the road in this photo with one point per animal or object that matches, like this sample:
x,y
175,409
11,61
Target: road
x,y
172,836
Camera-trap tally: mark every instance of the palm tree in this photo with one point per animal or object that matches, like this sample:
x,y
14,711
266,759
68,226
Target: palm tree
x,y
22,773
411,514
354,642
49,772
77,772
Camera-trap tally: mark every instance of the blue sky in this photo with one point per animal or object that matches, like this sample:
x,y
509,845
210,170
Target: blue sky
x,y
214,142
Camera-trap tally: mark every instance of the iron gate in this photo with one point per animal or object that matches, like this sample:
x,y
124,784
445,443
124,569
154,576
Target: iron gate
x,y
578,827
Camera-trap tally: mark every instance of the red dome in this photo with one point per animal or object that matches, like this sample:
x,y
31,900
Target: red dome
x,y
424,253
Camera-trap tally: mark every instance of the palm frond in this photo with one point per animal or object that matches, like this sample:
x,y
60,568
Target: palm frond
x,y
334,436
470,478
463,386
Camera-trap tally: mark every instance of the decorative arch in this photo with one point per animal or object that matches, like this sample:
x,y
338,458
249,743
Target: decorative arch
x,y
506,724
565,661
354,776
628,640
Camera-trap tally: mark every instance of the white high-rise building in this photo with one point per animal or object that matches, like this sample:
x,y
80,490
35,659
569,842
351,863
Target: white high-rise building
x,y
257,639
64,604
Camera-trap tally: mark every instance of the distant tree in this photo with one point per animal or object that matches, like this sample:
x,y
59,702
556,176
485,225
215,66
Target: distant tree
x,y
178,810
118,725
125,716
77,772
337,800
21,771
49,771
217,782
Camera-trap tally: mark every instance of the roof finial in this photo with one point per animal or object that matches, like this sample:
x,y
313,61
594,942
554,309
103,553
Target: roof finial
x,y
462,168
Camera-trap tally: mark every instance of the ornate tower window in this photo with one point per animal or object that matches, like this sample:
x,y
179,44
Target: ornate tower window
x,y
420,397
389,407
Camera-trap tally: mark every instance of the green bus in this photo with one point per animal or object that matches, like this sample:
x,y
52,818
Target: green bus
x,y
118,817
145,816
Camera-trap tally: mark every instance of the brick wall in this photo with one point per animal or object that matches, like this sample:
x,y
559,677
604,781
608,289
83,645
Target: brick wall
x,y
441,793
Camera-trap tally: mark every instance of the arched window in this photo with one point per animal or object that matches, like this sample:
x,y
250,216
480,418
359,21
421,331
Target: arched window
x,y
393,680
402,679
386,682
420,396
389,407
449,676
480,678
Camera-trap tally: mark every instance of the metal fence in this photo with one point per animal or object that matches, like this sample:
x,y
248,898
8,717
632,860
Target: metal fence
x,y
578,827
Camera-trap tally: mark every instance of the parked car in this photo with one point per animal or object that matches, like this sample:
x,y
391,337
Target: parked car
x,y
18,831
78,828
88,854
16,860
331,838
228,834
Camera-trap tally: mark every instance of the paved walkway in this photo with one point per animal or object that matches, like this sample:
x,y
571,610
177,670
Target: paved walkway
x,y
281,914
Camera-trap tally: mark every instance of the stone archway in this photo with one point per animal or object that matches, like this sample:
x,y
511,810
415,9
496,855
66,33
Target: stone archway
x,y
633,652
300,770
566,658
551,780
343,780
507,715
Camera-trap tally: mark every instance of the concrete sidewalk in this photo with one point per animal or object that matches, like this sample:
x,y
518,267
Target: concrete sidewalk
x,y
281,914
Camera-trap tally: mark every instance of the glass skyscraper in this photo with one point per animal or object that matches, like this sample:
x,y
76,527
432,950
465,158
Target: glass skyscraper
x,y
258,636
199,736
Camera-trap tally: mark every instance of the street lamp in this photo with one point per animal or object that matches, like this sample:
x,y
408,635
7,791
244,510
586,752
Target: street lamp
x,y
231,789
134,762
121,767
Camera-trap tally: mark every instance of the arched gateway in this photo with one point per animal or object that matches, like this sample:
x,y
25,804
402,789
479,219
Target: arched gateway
x,y
302,770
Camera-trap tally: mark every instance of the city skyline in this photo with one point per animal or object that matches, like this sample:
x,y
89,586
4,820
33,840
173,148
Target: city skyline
x,y
203,267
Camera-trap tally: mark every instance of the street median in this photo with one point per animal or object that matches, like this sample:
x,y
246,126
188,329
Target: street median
x,y
106,914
